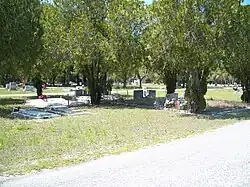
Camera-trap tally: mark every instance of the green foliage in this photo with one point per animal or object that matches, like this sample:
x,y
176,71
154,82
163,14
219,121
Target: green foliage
x,y
236,43
126,24
220,76
99,40
21,31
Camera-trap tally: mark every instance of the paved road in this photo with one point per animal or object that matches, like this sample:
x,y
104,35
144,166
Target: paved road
x,y
219,158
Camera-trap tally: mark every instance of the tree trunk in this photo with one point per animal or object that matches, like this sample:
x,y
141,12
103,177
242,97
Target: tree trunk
x,y
38,85
170,82
96,81
246,91
77,79
96,89
64,78
124,82
95,95
140,79
84,80
184,81
196,90
53,81
248,94
140,83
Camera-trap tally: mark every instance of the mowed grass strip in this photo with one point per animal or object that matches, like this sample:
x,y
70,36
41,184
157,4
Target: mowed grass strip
x,y
223,94
20,91
35,145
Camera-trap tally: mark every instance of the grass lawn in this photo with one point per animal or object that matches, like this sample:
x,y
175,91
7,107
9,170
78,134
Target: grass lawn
x,y
223,94
6,92
35,145
54,90
20,91
216,94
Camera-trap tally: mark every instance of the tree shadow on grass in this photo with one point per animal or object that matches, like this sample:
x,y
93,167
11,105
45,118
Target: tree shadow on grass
x,y
5,112
6,105
124,106
11,101
221,110
214,113
129,103
227,110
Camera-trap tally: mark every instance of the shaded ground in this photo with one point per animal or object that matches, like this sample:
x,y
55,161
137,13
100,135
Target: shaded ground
x,y
227,110
7,104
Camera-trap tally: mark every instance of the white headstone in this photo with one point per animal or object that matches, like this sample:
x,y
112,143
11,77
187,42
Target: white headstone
x,y
7,86
12,86
28,88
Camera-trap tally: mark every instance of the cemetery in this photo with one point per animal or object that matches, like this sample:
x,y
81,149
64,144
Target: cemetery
x,y
13,86
132,121
45,108
102,78
46,113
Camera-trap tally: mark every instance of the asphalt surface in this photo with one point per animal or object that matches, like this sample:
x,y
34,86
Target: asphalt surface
x,y
218,158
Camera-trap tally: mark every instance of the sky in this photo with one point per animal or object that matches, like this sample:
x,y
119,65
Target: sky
x,y
246,2
148,1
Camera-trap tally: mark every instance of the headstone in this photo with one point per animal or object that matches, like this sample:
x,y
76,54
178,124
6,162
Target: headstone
x,y
28,88
152,94
84,92
172,96
159,103
78,92
12,86
7,86
138,94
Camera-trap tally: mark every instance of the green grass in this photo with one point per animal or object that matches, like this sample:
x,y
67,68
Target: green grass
x,y
223,94
54,90
216,94
20,91
35,145
144,85
6,92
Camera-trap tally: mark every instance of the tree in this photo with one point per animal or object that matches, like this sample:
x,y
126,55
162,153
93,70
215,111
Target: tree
x,y
220,76
236,44
197,48
95,45
53,59
87,41
161,38
21,32
125,28
184,41
142,73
